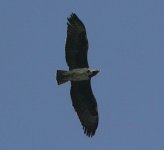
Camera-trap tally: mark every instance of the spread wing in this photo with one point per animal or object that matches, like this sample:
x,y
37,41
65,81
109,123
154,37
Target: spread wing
x,y
85,105
76,43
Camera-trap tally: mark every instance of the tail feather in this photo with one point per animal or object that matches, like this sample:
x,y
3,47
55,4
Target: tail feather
x,y
61,76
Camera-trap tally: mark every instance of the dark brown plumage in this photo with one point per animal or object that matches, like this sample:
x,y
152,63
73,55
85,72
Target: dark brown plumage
x,y
82,96
76,44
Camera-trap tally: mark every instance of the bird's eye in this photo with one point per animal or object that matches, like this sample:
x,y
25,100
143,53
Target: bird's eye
x,y
88,71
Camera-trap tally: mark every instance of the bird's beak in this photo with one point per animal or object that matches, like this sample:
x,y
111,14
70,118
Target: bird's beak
x,y
95,72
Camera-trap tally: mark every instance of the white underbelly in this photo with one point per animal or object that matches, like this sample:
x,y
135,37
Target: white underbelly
x,y
79,75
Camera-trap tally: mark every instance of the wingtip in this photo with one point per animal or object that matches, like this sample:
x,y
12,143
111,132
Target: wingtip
x,y
74,19
89,133
72,16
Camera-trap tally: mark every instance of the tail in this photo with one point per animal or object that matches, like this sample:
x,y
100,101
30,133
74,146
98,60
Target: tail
x,y
61,76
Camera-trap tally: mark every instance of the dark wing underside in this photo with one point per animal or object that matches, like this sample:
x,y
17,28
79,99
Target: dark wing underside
x,y
76,43
85,105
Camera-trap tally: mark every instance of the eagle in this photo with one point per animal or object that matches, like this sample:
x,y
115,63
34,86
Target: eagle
x,y
79,74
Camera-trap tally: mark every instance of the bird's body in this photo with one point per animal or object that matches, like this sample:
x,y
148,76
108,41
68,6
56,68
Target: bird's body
x,y
80,75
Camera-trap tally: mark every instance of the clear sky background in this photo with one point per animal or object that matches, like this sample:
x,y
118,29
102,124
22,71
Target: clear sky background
x,y
126,42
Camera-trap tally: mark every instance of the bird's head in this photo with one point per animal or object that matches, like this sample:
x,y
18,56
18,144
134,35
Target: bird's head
x,y
92,72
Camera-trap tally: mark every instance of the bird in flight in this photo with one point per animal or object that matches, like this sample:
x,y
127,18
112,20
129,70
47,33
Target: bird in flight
x,y
80,75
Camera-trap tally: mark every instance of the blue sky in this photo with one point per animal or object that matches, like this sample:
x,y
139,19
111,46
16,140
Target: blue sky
x,y
125,43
